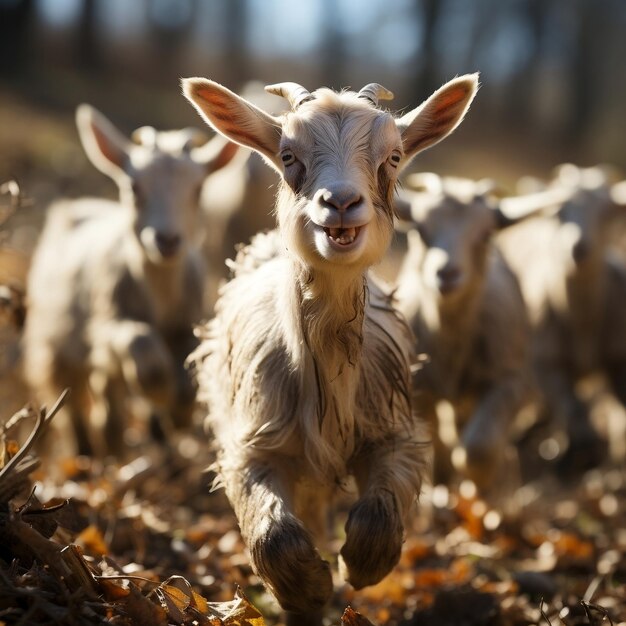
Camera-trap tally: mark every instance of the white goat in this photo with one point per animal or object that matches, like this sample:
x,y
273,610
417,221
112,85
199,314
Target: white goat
x,y
306,364
115,288
467,312
575,291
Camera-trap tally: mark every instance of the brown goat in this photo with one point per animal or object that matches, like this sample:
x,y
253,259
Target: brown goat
x,y
306,366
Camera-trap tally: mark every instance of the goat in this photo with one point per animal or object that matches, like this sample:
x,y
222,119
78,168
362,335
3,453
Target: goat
x,y
466,310
575,291
115,287
306,365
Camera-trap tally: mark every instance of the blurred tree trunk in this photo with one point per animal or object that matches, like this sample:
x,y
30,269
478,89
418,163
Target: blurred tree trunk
x,y
588,68
332,47
524,83
426,78
16,21
87,46
236,52
170,23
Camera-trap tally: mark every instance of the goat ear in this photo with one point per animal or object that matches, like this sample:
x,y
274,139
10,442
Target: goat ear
x,y
106,147
511,210
438,116
425,182
215,153
235,118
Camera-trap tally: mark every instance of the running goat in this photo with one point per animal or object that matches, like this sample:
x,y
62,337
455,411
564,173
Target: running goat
x,y
306,366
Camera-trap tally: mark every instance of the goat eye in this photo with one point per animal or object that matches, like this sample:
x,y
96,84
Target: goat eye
x,y
394,159
288,157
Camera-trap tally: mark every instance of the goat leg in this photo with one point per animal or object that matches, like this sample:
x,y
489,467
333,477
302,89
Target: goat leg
x,y
485,437
281,549
388,479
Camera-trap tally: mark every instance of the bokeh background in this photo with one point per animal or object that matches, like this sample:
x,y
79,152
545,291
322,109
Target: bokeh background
x,y
553,73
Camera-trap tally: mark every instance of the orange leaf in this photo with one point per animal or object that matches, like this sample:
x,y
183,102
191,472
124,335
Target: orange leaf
x,y
177,596
12,448
112,591
351,617
200,603
568,544
92,541
392,588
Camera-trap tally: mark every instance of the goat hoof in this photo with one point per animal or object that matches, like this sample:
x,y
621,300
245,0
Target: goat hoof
x,y
373,541
285,558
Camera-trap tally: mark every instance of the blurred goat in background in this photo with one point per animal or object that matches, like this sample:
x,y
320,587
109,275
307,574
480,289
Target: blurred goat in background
x,y
116,287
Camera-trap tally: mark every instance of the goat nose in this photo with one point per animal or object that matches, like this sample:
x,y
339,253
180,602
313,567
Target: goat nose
x,y
168,244
448,277
341,198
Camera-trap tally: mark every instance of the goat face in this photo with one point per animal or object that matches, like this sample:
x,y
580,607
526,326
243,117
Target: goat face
x,y
582,232
453,241
585,216
159,174
339,157
164,191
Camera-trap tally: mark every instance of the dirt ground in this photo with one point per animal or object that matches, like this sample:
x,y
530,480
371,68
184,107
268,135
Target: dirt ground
x,y
151,537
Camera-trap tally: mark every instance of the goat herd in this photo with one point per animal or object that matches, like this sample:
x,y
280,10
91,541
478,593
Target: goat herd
x,y
311,370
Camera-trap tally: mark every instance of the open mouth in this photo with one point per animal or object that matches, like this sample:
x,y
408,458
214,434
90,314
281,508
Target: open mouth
x,y
343,236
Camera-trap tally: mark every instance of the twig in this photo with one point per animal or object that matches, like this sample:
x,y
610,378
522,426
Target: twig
x,y
595,607
543,614
16,418
128,577
42,421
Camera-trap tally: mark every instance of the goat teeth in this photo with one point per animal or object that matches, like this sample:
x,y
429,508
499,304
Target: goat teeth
x,y
344,236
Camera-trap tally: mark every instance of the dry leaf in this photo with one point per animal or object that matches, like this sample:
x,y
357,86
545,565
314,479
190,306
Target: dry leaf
x,y
92,541
568,544
142,611
237,612
351,617
113,591
175,595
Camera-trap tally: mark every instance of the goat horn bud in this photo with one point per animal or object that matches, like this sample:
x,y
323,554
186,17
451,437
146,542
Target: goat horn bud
x,y
375,92
295,94
144,136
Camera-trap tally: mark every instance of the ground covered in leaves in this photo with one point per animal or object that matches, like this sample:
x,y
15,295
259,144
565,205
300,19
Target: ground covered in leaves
x,y
146,542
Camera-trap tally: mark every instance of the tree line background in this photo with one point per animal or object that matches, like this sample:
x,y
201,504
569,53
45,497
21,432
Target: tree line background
x,y
552,72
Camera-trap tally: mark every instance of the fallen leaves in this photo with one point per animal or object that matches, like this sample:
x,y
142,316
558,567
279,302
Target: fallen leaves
x,y
146,543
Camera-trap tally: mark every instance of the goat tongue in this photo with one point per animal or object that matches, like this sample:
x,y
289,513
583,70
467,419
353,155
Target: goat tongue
x,y
342,235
